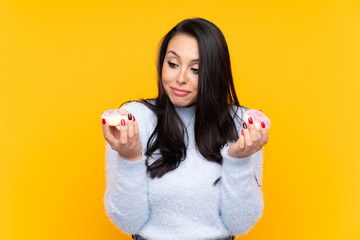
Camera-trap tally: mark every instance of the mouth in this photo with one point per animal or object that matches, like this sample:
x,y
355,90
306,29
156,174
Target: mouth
x,y
180,92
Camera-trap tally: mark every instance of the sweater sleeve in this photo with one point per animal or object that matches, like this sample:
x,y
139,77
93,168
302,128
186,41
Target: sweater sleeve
x,y
241,196
126,201
126,194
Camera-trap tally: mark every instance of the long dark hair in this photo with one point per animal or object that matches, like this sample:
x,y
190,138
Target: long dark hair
x,y
214,125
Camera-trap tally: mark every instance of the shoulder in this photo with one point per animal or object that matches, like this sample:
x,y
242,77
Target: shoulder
x,y
137,108
237,111
145,118
142,113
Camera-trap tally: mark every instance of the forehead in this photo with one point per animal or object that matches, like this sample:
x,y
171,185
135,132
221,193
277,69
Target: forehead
x,y
185,46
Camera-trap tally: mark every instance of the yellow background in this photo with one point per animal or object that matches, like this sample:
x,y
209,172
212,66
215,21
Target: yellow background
x,y
62,63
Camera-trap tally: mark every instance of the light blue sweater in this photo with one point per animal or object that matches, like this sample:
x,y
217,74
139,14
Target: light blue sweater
x,y
183,204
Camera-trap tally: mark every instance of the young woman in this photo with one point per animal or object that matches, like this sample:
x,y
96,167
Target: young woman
x,y
187,167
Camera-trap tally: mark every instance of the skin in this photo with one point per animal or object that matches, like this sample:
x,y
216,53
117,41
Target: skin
x,y
180,73
248,142
125,141
180,70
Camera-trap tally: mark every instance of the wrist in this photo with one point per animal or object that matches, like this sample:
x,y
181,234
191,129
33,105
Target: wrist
x,y
231,152
135,157
235,152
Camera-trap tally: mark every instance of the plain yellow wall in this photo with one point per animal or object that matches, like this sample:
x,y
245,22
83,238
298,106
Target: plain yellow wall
x,y
62,63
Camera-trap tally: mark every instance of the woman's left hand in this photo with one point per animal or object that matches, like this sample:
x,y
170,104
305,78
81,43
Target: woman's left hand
x,y
248,142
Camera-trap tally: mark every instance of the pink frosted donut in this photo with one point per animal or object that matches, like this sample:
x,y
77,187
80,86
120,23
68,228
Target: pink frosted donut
x,y
257,117
114,116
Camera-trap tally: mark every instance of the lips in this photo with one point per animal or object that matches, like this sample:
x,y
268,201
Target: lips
x,y
180,92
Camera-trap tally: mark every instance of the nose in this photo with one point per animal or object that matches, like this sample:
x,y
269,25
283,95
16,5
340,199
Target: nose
x,y
181,78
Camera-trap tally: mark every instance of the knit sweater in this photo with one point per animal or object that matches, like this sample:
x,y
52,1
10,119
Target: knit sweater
x,y
184,203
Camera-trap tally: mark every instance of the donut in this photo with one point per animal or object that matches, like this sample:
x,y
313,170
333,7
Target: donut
x,y
114,116
257,117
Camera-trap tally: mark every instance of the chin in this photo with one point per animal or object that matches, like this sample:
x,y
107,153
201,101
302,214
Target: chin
x,y
182,103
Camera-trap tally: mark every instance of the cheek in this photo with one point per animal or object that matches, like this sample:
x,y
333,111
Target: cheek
x,y
165,75
165,80
196,84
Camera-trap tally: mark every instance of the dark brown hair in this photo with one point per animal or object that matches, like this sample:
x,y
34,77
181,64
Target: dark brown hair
x,y
214,125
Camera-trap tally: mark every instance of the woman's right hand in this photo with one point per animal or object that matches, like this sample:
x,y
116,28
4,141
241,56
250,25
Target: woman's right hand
x,y
126,140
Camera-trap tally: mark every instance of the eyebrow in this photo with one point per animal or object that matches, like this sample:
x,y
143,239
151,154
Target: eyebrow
x,y
173,52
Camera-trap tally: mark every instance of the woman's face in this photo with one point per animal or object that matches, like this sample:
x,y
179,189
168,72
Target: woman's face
x,y
180,70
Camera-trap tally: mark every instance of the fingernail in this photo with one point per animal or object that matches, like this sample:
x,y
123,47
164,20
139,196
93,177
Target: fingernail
x,y
244,125
134,118
242,132
260,110
122,122
250,120
262,124
130,116
103,121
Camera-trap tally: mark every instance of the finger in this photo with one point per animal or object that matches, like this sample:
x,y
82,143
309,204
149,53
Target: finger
x,y
241,141
107,132
130,129
247,138
123,133
252,130
264,136
136,129
115,132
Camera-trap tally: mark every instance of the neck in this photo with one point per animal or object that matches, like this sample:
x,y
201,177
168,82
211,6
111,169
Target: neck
x,y
186,114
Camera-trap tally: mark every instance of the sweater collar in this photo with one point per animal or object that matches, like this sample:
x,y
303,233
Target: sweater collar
x,y
186,114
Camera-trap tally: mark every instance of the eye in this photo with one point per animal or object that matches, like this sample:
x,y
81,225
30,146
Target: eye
x,y
171,64
195,70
